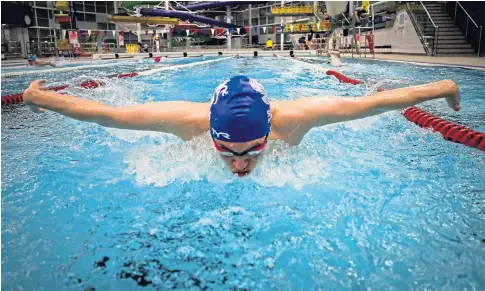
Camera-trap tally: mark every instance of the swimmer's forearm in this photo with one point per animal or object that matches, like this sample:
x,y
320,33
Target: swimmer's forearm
x,y
405,97
70,106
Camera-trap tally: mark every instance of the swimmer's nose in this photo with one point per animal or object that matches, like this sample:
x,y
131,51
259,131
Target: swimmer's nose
x,y
240,163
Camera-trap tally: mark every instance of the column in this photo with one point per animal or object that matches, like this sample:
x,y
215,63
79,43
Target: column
x,y
250,33
282,36
228,20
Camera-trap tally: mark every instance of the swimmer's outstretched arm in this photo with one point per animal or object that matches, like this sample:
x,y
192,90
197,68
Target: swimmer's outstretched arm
x,y
296,117
343,109
183,119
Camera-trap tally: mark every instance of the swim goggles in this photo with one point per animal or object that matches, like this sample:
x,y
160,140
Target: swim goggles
x,y
256,150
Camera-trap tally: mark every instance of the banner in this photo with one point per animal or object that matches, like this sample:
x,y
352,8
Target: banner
x,y
318,26
114,32
212,31
274,29
73,37
291,27
238,30
121,40
187,31
264,29
89,32
64,31
247,29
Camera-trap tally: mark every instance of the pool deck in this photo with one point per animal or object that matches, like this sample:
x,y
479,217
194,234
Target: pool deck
x,y
475,63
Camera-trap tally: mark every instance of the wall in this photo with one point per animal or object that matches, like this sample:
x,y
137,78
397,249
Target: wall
x,y
402,37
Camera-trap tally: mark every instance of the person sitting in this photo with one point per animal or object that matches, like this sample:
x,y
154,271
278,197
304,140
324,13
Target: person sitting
x,y
364,9
269,44
32,61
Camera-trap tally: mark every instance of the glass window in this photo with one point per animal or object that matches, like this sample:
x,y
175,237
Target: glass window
x,y
78,6
90,17
262,12
271,19
246,22
262,20
42,13
88,7
254,22
102,26
111,9
41,3
43,22
111,26
80,17
100,8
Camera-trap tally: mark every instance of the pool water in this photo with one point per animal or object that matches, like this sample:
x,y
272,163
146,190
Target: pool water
x,y
372,204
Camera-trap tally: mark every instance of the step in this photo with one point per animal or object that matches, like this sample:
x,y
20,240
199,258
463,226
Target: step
x,y
451,37
456,51
439,15
451,41
456,55
449,33
448,29
453,46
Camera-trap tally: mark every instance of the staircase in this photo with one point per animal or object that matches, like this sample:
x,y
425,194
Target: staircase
x,y
451,41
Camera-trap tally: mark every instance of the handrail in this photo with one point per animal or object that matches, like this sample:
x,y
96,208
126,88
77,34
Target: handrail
x,y
467,14
429,16
418,31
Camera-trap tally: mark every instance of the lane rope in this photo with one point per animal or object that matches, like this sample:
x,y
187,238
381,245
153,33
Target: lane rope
x,y
449,130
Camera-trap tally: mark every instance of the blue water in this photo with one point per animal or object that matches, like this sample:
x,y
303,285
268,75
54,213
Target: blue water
x,y
373,204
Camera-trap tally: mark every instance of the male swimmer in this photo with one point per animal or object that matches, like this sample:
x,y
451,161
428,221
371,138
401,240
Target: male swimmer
x,y
32,61
240,118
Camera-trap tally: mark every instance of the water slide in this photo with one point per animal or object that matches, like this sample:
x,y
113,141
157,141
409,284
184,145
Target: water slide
x,y
209,5
195,7
186,16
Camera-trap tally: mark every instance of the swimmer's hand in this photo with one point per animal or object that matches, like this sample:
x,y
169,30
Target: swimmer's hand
x,y
30,95
452,94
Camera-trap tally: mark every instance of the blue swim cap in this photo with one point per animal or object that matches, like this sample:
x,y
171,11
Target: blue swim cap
x,y
240,111
31,58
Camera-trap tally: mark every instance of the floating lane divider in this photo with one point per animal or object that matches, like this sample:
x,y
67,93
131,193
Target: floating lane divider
x,y
449,130
56,70
17,98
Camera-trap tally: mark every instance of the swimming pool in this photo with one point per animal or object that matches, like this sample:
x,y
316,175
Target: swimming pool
x,y
371,204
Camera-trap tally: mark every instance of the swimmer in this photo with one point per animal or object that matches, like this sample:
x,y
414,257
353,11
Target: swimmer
x,y
239,118
32,61
334,58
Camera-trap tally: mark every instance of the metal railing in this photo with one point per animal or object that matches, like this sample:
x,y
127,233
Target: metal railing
x,y
462,19
425,27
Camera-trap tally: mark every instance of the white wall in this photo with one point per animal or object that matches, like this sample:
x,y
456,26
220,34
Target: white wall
x,y
402,36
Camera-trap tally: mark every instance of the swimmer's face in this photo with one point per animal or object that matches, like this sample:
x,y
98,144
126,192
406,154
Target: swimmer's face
x,y
31,62
242,165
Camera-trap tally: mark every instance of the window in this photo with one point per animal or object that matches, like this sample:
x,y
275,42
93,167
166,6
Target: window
x,y
101,7
80,17
246,22
111,26
254,22
262,12
102,26
78,6
271,20
41,3
43,22
111,9
262,20
90,17
89,6
42,13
